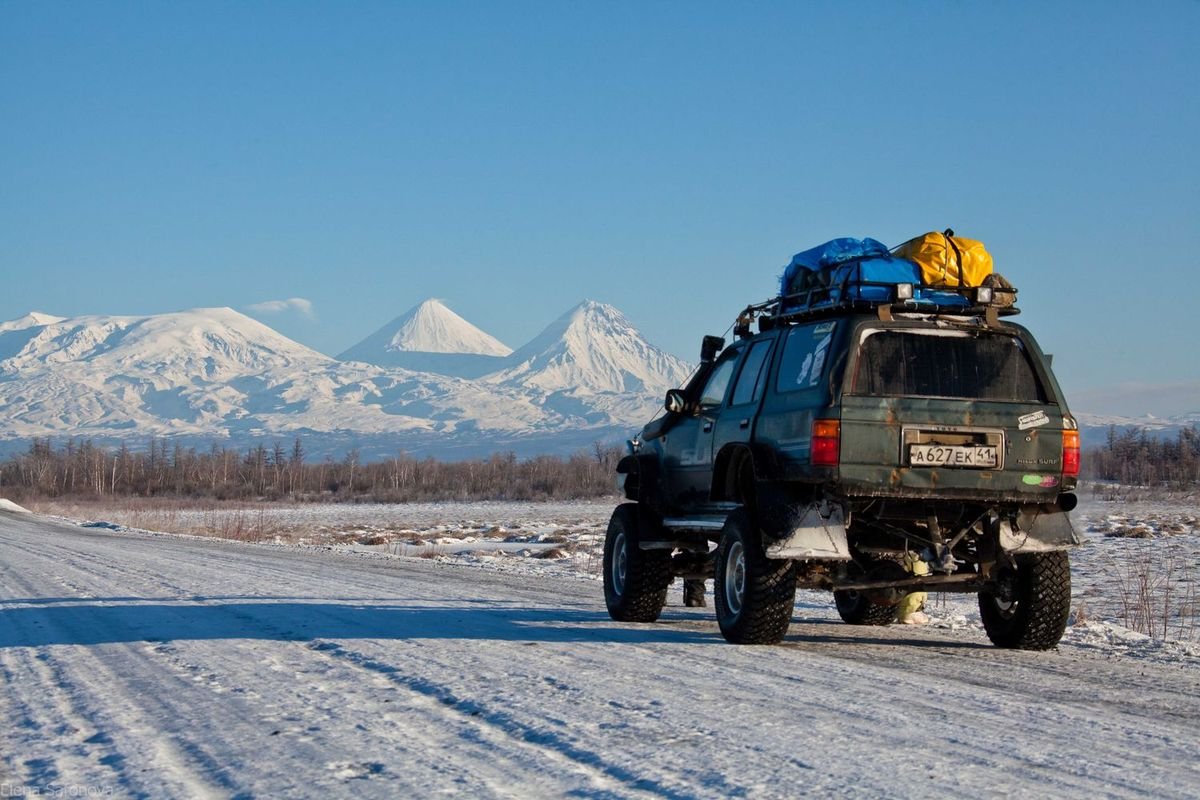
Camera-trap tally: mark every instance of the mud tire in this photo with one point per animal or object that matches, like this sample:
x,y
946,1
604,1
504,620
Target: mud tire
x,y
856,608
1030,610
860,608
635,580
754,594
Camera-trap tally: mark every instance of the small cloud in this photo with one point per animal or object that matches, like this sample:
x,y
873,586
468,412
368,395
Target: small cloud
x,y
299,304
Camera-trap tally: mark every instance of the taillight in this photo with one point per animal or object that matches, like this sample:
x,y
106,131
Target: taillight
x,y
1071,454
826,442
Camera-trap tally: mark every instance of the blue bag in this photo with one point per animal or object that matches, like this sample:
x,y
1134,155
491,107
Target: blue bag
x,y
860,280
798,274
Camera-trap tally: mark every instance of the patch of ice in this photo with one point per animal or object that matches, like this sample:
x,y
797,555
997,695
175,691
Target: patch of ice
x,y
109,526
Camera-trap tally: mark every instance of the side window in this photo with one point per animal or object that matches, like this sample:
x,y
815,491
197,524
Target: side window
x,y
805,356
714,391
750,382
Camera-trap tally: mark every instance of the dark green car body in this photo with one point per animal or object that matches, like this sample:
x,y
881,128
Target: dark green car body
x,y
754,407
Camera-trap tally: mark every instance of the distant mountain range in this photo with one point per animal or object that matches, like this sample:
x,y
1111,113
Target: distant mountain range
x,y
1095,427
429,382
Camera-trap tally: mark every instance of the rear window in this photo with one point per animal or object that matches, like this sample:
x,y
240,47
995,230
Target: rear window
x,y
956,364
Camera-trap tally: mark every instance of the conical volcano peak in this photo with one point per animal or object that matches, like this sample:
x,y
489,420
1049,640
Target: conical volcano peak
x,y
428,327
593,347
429,337
596,310
589,319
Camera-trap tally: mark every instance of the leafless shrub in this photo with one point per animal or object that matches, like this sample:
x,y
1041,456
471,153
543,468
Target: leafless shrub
x,y
1156,591
592,560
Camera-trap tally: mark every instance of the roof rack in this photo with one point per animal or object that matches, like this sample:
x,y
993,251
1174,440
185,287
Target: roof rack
x,y
883,298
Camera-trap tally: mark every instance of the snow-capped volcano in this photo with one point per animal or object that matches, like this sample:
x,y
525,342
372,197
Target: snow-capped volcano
x,y
593,348
428,327
185,372
208,343
214,373
431,338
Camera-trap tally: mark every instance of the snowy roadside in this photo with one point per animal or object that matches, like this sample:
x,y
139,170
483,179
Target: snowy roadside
x,y
1125,543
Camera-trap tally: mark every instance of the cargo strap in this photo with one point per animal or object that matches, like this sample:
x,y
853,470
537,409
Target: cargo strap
x,y
949,234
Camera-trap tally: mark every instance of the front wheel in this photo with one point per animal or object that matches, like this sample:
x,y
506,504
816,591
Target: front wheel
x,y
635,580
754,594
1028,606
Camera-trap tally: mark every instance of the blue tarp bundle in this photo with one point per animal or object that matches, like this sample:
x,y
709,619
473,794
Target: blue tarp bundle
x,y
871,271
830,254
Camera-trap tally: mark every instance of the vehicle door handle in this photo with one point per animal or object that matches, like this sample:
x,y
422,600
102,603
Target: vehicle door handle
x,y
707,426
744,424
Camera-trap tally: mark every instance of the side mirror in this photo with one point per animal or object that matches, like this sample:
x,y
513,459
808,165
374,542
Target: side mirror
x,y
676,402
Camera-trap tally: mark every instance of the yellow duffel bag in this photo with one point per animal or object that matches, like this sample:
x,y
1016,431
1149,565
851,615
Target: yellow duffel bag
x,y
947,260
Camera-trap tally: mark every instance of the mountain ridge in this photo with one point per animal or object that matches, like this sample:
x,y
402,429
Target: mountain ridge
x,y
218,373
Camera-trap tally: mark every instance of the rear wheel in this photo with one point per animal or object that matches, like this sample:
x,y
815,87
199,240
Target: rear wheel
x,y
1028,605
635,580
857,607
754,594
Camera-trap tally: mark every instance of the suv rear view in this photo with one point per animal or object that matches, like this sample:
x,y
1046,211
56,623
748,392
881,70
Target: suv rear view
x,y
868,438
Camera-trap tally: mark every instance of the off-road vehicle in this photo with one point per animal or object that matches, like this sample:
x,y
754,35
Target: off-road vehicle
x,y
843,435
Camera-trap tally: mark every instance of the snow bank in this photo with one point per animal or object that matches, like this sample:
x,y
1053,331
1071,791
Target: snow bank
x,y
1114,639
9,505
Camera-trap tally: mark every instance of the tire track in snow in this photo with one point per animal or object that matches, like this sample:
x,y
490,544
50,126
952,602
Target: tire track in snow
x,y
71,710
343,769
542,743
197,770
536,744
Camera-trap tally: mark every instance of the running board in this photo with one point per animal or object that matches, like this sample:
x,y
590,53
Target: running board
x,y
708,522
687,544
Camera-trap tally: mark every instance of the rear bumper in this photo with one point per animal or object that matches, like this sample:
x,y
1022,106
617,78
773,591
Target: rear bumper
x,y
984,486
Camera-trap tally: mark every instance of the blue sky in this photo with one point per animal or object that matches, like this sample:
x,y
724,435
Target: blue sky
x,y
666,157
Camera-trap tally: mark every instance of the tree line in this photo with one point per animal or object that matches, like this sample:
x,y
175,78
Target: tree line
x,y
1135,457
80,468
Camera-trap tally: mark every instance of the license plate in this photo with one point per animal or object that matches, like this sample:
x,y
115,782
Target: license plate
x,y
944,455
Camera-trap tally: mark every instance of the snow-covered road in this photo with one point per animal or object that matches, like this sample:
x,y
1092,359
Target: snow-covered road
x,y
159,666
